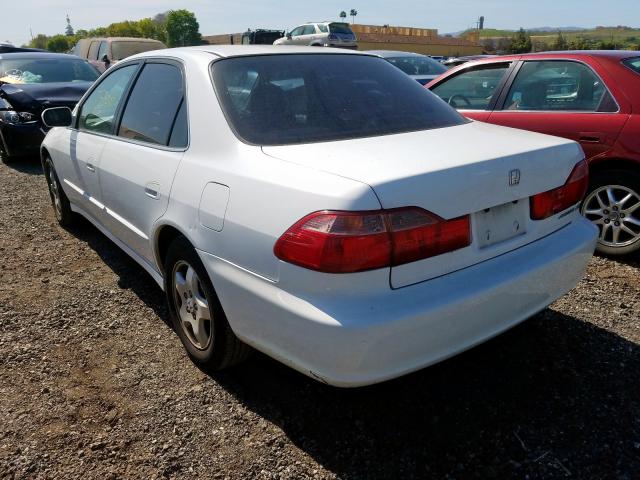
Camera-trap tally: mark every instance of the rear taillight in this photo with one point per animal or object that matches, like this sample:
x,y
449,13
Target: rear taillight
x,y
344,242
546,204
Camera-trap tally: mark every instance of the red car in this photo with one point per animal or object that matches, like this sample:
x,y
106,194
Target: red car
x,y
592,97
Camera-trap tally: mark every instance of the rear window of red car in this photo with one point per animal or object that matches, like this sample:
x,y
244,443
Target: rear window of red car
x,y
633,64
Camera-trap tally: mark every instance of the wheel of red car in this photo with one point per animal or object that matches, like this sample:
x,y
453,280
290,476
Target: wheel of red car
x,y
613,204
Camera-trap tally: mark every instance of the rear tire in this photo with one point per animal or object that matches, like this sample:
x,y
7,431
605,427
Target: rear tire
x,y
612,203
59,200
196,313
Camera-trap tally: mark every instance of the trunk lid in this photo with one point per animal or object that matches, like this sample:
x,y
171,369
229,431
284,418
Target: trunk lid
x,y
455,171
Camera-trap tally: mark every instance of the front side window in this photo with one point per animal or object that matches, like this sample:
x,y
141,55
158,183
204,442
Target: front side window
x,y
288,99
93,50
46,70
309,30
153,106
297,31
472,89
558,85
98,112
102,51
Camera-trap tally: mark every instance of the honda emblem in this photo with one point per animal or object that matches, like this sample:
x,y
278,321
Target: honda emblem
x,y
514,177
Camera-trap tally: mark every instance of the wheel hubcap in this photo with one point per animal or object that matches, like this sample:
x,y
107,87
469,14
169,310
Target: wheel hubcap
x,y
615,209
192,305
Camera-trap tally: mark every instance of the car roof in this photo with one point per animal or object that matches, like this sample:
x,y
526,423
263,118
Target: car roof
x,y
35,55
393,53
121,39
227,51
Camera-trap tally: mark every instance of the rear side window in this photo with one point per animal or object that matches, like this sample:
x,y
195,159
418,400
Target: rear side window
x,y
122,50
340,28
288,99
153,106
472,89
558,85
323,28
633,64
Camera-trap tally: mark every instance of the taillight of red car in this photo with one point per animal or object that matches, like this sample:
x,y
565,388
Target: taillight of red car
x,y
546,204
347,242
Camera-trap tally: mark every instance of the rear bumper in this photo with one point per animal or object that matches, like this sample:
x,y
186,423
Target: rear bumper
x,y
363,339
21,140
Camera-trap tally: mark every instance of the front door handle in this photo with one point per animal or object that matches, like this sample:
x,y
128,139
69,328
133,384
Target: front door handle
x,y
91,168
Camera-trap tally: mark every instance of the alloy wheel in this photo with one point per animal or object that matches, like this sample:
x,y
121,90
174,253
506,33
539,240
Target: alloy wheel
x,y
54,189
615,209
192,305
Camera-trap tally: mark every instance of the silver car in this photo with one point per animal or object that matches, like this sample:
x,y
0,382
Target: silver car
x,y
419,67
321,34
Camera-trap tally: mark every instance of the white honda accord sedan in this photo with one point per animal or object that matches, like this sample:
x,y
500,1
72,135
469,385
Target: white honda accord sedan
x,y
319,206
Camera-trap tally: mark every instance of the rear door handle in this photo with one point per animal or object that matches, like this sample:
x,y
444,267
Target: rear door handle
x,y
150,190
591,137
91,168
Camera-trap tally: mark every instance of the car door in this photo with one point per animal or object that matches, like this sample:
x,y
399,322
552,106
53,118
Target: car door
x,y
307,36
139,164
474,90
296,36
94,124
565,98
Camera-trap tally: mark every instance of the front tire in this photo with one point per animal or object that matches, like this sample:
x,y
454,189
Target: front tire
x,y
196,313
59,200
613,205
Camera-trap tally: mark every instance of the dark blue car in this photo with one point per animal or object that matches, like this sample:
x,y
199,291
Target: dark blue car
x,y
31,82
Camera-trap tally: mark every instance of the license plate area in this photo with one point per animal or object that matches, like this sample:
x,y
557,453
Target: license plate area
x,y
500,223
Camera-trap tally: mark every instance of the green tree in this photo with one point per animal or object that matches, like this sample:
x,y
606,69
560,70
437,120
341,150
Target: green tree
x,y
123,29
68,31
58,43
40,41
182,28
520,43
560,43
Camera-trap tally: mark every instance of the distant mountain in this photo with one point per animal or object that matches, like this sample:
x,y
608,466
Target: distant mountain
x,y
555,29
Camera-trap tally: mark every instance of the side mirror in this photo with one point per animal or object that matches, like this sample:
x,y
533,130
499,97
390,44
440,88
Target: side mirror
x,y
289,36
106,61
57,117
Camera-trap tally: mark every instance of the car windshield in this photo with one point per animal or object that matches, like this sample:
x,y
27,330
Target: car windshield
x,y
417,65
633,64
289,99
340,28
121,50
46,70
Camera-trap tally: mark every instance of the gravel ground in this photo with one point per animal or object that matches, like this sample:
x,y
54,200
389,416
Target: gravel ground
x,y
95,384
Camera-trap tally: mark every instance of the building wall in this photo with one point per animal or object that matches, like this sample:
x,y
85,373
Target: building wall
x,y
385,37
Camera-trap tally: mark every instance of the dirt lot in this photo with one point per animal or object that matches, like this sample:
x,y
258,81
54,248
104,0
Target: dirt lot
x,y
94,384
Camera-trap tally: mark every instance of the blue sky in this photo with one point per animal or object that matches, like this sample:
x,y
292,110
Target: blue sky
x,y
217,16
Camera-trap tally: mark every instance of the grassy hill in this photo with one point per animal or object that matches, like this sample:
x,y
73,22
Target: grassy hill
x,y
620,37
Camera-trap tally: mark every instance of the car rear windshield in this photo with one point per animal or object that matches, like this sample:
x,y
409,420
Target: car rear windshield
x,y
46,70
418,65
292,98
122,50
340,28
633,64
